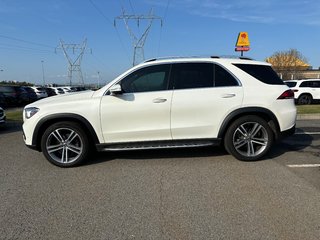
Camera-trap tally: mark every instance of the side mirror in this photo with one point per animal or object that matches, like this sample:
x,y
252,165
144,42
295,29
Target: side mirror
x,y
115,89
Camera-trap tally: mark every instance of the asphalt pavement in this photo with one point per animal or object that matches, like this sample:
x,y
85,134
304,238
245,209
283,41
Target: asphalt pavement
x,y
163,194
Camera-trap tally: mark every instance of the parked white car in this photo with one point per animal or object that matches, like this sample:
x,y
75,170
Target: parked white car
x,y
168,103
40,91
305,91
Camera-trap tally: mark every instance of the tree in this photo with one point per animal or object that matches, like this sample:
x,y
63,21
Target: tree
x,y
288,64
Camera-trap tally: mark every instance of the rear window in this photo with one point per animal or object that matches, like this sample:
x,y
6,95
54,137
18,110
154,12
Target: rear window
x,y
263,73
291,84
6,89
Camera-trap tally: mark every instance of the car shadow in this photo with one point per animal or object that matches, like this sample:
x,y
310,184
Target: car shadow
x,y
294,143
10,127
99,157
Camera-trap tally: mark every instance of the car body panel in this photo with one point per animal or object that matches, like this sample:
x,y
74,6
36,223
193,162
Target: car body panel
x,y
136,116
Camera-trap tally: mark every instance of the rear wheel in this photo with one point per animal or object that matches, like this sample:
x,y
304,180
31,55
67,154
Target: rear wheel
x,y
248,138
305,99
65,144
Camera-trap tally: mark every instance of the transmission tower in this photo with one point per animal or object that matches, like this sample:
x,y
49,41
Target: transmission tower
x,y
74,63
138,42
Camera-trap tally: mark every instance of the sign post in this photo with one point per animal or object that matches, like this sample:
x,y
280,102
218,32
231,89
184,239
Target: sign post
x,y
243,43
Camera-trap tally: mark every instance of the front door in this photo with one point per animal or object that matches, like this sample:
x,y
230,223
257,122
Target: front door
x,y
142,111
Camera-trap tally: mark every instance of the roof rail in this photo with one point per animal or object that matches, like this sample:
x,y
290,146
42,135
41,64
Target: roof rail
x,y
246,58
180,57
169,57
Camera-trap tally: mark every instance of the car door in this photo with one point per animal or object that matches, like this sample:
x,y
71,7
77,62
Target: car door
x,y
316,86
204,93
142,111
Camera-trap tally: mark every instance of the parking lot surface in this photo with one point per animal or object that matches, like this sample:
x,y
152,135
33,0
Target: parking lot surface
x,y
166,194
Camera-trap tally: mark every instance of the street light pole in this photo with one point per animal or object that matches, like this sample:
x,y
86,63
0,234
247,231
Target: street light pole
x,y
44,83
98,79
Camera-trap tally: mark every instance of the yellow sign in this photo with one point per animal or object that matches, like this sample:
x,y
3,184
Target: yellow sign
x,y
243,40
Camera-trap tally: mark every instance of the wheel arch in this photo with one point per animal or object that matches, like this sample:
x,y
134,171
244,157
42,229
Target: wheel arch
x,y
264,113
51,119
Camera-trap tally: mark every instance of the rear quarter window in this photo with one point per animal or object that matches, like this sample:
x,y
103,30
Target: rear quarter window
x,y
291,84
263,73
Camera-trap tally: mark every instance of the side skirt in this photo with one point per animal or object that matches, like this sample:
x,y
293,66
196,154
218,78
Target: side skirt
x,y
158,144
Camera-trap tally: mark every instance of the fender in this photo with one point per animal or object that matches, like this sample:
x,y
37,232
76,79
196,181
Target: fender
x,y
40,127
259,111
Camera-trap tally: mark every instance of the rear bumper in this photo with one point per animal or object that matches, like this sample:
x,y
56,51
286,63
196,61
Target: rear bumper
x,y
287,133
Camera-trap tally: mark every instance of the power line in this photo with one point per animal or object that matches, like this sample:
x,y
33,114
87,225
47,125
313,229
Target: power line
x,y
108,20
102,14
131,7
25,41
164,19
138,42
16,47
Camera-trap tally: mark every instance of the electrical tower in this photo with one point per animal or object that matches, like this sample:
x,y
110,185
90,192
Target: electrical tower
x,y
74,64
138,42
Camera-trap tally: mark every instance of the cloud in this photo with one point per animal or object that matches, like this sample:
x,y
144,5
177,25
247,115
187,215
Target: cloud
x,y
272,11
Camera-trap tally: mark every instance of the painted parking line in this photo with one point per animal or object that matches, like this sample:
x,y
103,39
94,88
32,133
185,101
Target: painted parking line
x,y
303,165
307,133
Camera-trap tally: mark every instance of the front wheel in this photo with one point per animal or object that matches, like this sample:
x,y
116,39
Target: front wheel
x,y
248,138
65,144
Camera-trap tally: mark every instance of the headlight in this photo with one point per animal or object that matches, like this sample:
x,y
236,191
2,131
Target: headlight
x,y
29,112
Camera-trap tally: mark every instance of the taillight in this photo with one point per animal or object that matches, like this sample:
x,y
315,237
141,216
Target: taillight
x,y
289,94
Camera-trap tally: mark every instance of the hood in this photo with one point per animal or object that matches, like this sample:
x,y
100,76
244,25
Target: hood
x,y
63,98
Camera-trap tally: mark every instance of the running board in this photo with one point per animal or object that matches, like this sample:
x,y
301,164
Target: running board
x,y
157,145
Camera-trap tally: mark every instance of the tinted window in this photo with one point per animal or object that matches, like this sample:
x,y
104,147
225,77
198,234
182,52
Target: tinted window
x,y
316,84
306,84
291,84
223,78
261,72
154,78
192,75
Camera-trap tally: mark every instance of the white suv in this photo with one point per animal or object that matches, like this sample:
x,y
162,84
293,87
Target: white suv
x,y
168,103
305,91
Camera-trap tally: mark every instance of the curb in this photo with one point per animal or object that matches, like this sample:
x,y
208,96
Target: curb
x,y
308,116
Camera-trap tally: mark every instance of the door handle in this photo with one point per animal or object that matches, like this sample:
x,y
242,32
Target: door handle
x,y
228,95
159,100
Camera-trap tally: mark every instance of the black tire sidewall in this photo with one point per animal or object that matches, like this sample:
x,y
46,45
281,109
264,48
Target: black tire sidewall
x,y
228,138
304,96
75,127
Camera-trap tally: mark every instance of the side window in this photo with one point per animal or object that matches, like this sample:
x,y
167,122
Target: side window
x,y
153,78
223,78
192,75
305,84
317,84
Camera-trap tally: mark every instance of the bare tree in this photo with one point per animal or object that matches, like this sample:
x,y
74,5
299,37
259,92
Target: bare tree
x,y
288,64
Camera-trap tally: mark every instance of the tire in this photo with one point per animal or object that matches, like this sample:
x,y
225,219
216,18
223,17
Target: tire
x,y
248,138
65,144
304,99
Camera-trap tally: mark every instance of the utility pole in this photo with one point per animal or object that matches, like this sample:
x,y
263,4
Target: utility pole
x,y
98,79
74,64
43,80
138,42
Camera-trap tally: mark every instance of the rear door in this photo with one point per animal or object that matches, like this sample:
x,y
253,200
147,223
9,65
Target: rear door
x,y
316,87
204,93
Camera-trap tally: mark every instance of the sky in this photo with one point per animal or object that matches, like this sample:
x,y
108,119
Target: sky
x,y
31,32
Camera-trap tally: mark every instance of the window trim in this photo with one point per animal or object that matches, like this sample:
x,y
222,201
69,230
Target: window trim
x,y
234,76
